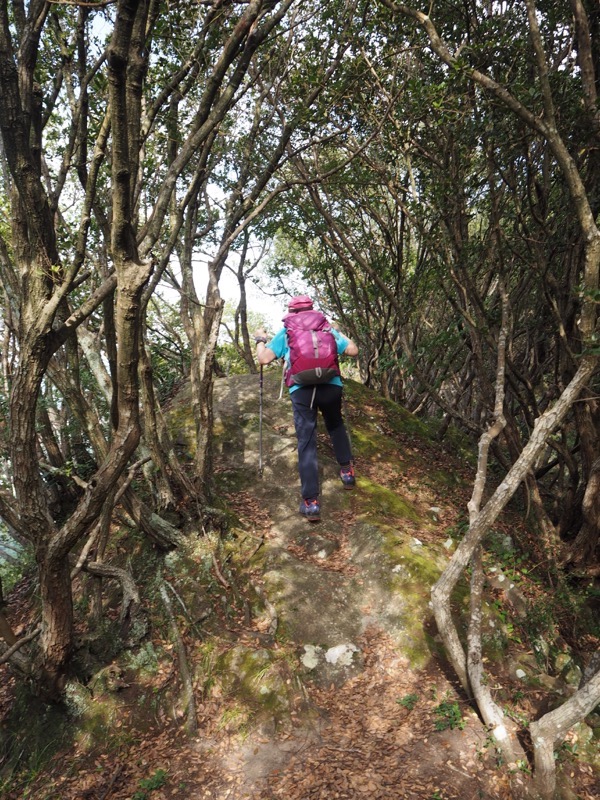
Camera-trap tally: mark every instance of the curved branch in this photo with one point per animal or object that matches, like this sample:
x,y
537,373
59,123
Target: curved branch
x,y
131,595
21,662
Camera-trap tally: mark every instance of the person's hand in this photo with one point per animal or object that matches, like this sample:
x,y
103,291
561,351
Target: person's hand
x,y
261,334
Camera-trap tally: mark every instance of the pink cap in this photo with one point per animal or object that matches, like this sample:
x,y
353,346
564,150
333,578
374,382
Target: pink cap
x,y
300,303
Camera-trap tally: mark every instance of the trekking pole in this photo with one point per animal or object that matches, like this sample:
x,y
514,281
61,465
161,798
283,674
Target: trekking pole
x,y
345,418
282,378
260,421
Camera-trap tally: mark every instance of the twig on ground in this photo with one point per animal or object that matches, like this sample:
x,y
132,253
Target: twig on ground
x,y
111,783
218,572
255,551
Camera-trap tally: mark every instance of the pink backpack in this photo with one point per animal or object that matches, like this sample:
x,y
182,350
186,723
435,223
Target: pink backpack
x,y
313,349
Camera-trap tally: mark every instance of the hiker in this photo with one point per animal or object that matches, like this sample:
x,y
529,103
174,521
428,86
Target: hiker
x,y
310,349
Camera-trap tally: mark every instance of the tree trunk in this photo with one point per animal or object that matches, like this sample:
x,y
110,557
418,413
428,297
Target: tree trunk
x,y
482,521
201,324
493,716
165,497
57,626
584,548
552,728
156,434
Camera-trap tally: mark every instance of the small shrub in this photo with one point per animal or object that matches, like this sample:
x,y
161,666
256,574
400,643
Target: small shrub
x,y
448,716
147,785
409,701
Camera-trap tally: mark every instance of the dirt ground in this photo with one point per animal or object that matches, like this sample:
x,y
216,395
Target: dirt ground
x,y
375,732
350,742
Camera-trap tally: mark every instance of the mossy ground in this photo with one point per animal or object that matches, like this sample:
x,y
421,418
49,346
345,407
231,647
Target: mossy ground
x,y
381,503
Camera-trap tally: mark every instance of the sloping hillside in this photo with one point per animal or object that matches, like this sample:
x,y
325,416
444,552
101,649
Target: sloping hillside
x,y
312,654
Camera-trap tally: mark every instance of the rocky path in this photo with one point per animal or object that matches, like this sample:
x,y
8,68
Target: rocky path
x,y
351,595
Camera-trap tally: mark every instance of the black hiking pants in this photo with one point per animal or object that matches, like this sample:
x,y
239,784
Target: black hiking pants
x,y
306,402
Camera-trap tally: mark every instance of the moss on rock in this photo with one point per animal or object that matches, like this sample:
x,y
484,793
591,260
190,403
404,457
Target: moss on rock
x,y
378,502
255,679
